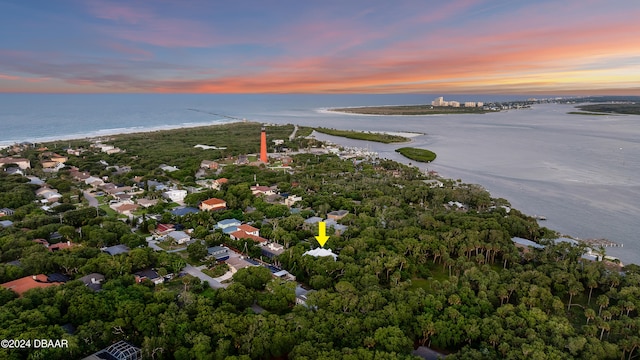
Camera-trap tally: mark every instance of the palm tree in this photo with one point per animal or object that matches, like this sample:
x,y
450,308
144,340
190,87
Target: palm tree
x,y
602,301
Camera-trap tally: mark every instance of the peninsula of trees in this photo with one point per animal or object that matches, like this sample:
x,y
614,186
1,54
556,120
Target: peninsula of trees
x,y
628,108
416,260
416,154
367,136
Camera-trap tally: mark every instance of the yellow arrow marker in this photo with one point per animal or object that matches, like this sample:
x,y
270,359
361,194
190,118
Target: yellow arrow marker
x,y
322,233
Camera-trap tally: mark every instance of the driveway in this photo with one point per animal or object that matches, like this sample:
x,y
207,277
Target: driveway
x,y
93,202
204,277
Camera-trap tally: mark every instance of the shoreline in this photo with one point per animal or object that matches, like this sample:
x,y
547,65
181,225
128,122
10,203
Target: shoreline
x,y
113,132
329,111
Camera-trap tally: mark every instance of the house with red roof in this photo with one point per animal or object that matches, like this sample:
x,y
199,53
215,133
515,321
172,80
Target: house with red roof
x,y
249,229
237,235
22,285
213,204
61,246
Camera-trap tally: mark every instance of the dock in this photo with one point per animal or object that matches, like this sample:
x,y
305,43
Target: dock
x,y
596,243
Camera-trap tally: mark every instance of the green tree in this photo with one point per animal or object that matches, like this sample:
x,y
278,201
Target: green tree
x,y
197,251
254,277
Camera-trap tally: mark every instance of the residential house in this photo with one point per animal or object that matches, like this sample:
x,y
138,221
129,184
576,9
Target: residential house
x,y
337,215
22,285
242,160
338,229
272,250
21,162
6,212
282,274
164,229
321,252
146,202
127,209
116,249
213,204
238,235
149,274
427,353
61,246
14,171
220,253
44,242
156,185
175,195
93,181
209,164
228,225
168,168
51,166
246,231
184,210
75,152
291,200
93,281
58,158
6,223
49,195
249,229
79,175
237,263
301,295
258,190
215,184
180,237
312,222
121,350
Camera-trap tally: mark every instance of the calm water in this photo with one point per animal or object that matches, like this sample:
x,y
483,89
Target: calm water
x,y
581,172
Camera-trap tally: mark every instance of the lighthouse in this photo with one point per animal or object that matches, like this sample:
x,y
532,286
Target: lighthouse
x,y
263,146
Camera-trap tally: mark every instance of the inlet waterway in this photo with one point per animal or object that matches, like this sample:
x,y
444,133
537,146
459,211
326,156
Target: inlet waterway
x,y
581,172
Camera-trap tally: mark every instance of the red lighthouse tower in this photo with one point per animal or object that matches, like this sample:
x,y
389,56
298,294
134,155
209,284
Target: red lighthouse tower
x,y
263,146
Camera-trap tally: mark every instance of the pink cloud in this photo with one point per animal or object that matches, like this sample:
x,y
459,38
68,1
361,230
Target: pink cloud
x,y
118,12
23,78
138,54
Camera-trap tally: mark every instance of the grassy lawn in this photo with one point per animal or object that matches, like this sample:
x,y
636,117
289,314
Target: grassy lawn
x,y
217,270
167,245
437,274
208,293
109,211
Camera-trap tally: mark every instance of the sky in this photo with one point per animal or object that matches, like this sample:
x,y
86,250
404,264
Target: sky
x,y
569,47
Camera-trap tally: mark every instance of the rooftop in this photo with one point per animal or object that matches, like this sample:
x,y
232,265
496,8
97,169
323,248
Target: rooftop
x,y
22,285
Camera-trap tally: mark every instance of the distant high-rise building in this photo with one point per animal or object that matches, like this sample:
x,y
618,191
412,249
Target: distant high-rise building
x,y
439,101
479,104
263,146
470,104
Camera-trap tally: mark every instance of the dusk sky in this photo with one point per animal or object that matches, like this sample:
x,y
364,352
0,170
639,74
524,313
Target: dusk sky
x,y
460,46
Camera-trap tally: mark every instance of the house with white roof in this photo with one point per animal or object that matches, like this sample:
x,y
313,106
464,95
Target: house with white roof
x,y
321,252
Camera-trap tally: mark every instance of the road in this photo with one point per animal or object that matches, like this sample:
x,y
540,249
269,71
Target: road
x,y
204,277
93,202
293,134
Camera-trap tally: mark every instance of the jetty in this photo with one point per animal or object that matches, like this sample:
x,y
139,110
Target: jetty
x,y
596,243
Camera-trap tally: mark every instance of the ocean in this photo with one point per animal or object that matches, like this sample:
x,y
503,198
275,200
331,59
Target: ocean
x,y
580,172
